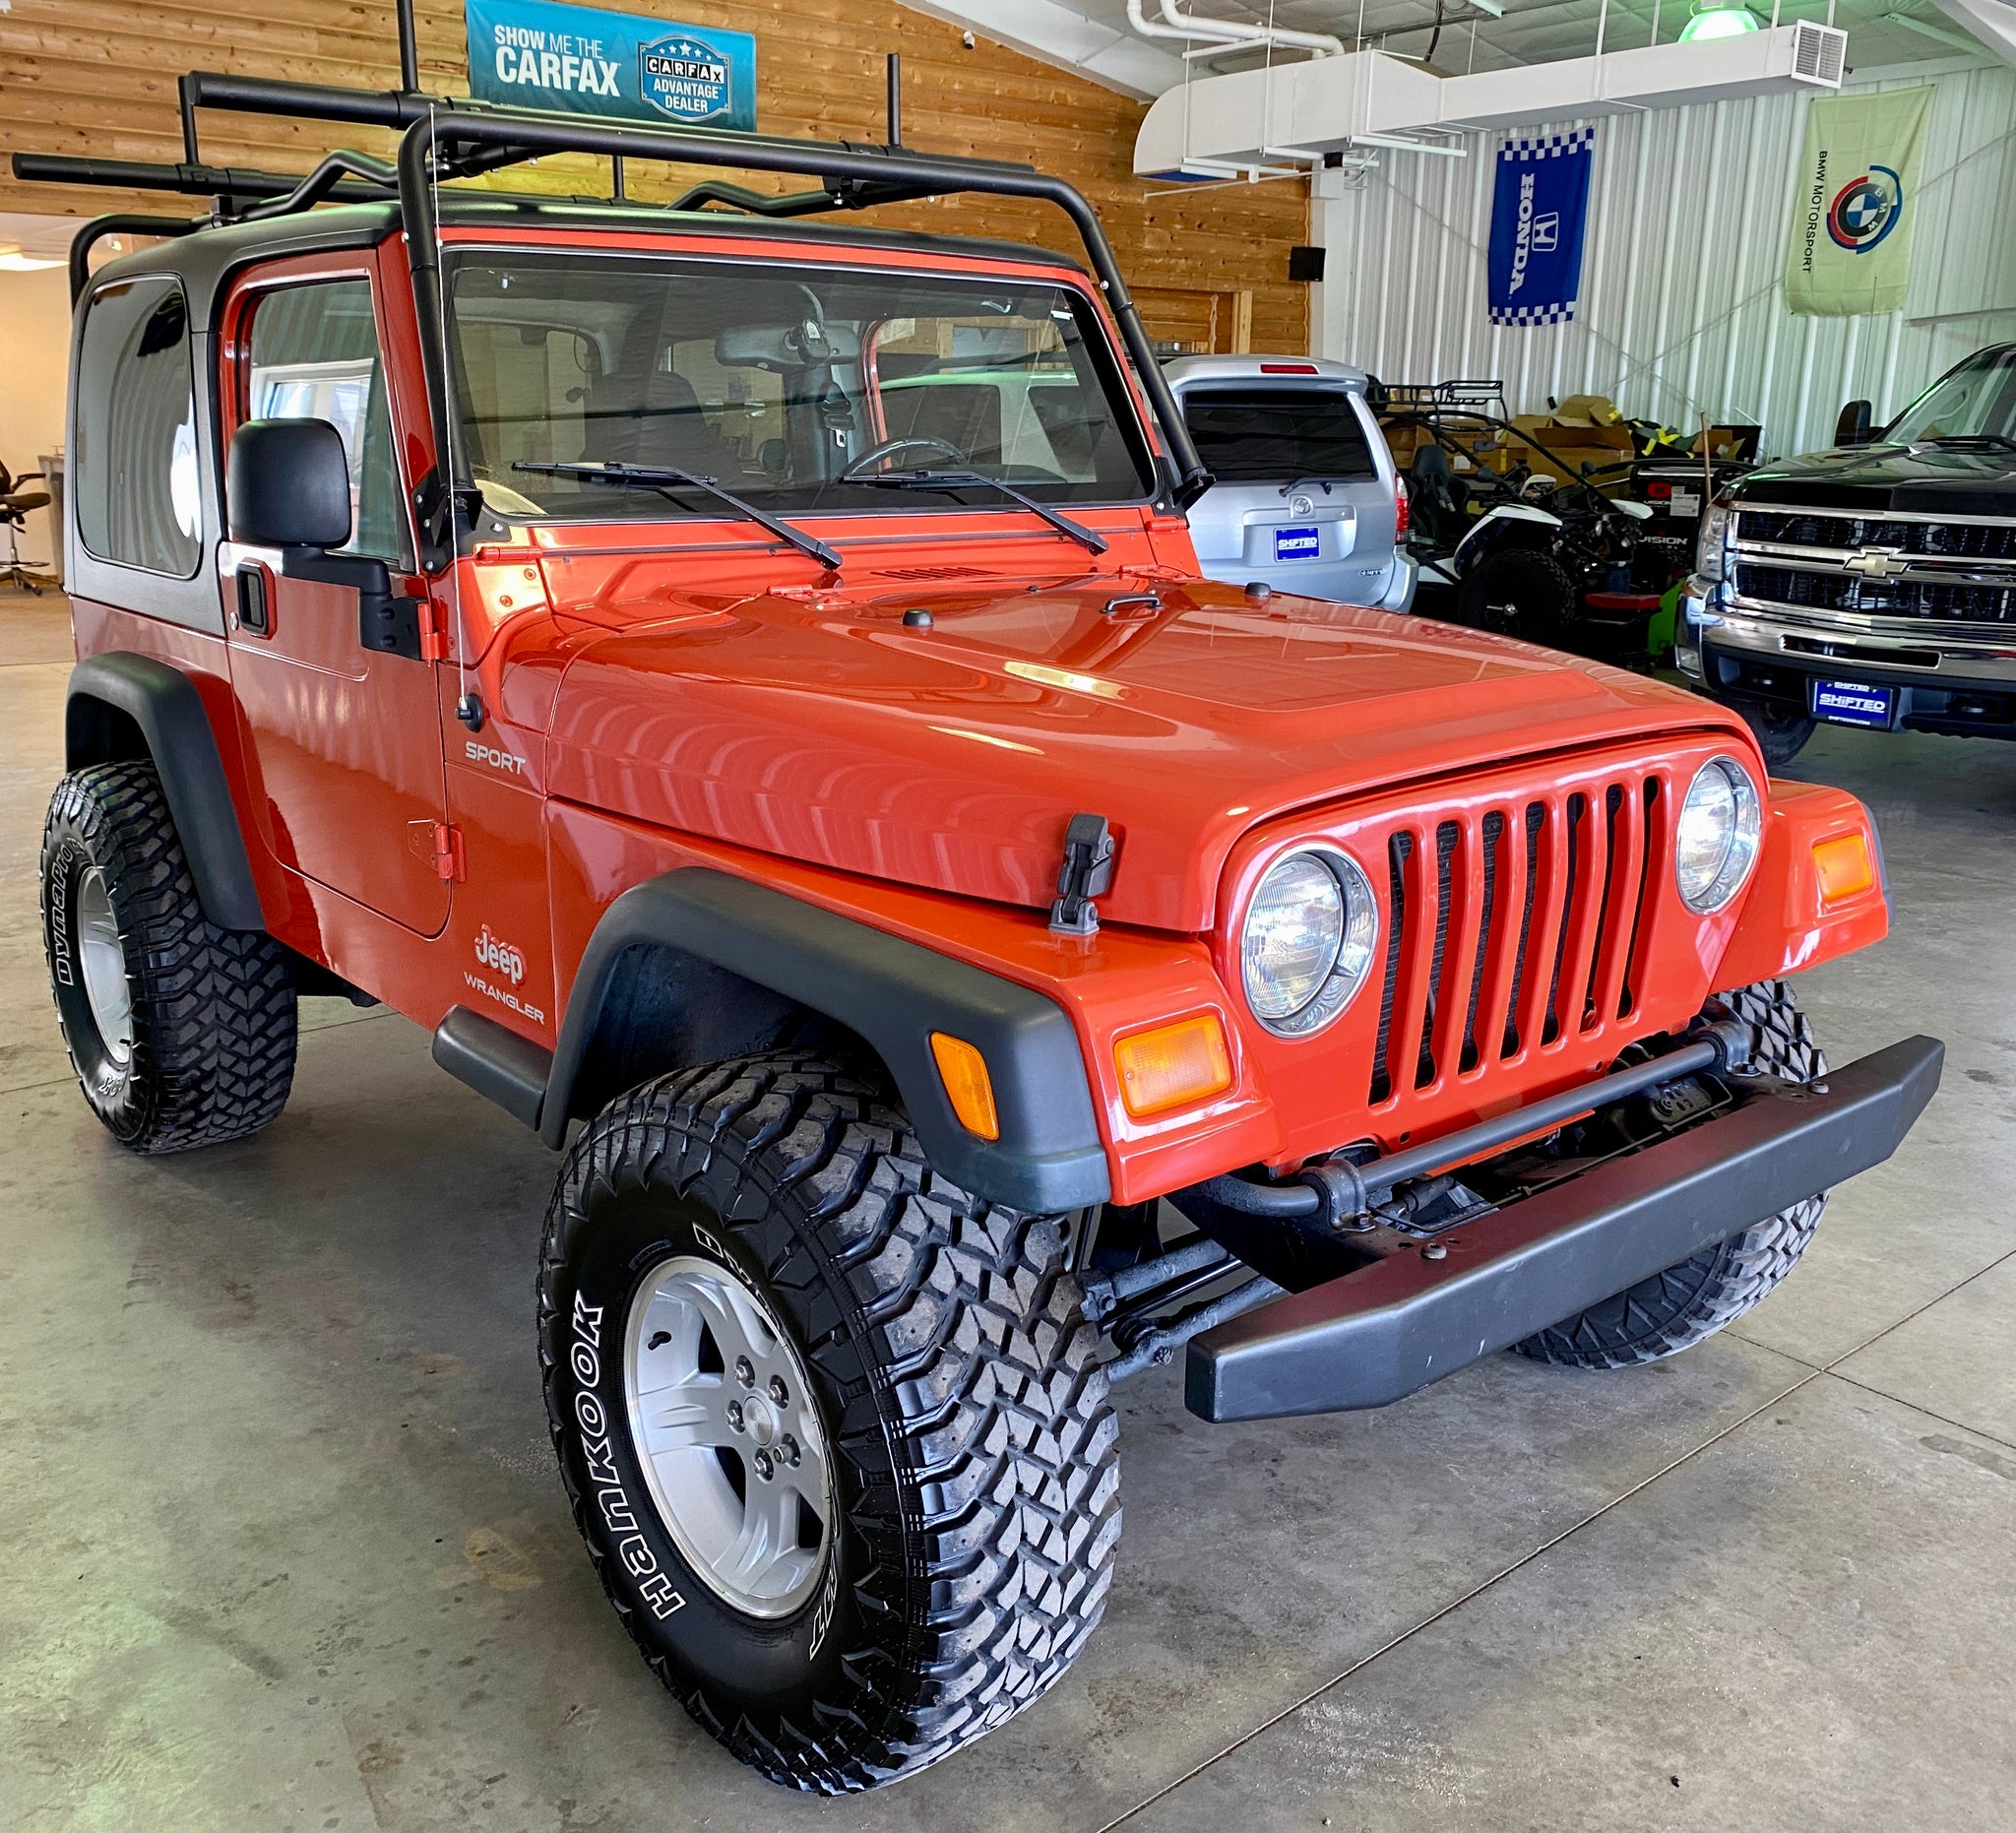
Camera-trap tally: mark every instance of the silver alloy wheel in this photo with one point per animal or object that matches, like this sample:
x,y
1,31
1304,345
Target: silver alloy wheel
x,y
103,958
729,1435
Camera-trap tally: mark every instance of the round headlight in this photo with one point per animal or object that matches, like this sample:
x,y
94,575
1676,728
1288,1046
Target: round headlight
x,y
1715,842
1307,946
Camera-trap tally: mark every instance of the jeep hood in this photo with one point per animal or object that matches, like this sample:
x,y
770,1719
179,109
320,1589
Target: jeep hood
x,y
1958,481
950,756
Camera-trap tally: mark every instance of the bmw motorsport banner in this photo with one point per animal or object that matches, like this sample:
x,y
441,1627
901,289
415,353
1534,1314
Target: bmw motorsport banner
x,y
1858,198
582,60
1538,211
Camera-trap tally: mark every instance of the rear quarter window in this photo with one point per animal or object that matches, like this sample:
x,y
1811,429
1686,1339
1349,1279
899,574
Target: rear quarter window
x,y
139,495
1249,434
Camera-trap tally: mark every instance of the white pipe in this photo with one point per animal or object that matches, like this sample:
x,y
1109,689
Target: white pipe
x,y
1229,31
1147,27
1182,25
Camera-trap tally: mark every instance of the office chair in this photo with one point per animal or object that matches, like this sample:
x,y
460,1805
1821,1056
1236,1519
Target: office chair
x,y
15,503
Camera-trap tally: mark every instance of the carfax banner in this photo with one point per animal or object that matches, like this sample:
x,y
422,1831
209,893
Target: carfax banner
x,y
1858,198
583,60
1538,212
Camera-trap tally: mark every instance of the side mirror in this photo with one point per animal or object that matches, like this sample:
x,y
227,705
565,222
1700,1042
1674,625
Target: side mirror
x,y
1851,428
289,487
288,484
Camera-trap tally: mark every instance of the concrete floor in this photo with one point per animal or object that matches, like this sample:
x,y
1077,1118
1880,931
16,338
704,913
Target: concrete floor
x,y
282,1545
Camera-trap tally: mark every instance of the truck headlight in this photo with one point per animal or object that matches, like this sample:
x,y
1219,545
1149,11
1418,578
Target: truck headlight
x,y
1710,555
1720,825
1307,942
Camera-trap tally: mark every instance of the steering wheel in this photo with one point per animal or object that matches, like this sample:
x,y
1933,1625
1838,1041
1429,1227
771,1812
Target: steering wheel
x,y
874,456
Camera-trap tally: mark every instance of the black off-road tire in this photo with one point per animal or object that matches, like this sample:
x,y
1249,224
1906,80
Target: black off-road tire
x,y
1522,592
1781,734
1675,1309
210,1050
971,1444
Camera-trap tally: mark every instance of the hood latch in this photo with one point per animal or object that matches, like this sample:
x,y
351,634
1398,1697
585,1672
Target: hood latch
x,y
1086,871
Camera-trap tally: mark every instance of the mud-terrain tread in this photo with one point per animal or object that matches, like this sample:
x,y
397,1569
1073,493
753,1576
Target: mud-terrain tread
x,y
990,1397
1677,1309
217,1010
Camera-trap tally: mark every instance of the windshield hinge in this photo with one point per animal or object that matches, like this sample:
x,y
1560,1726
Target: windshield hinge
x,y
1086,871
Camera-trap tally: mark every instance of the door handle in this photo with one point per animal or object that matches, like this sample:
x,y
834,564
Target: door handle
x,y
255,599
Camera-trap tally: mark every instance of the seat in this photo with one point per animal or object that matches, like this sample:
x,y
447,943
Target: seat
x,y
662,424
15,504
1433,495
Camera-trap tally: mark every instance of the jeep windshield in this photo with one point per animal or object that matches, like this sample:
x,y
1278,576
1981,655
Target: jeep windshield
x,y
773,379
1974,402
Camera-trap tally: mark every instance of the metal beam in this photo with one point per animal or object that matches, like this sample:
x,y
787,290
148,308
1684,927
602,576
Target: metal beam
x,y
1989,21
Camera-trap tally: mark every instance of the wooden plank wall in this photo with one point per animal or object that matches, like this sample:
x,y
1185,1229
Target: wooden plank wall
x,y
98,77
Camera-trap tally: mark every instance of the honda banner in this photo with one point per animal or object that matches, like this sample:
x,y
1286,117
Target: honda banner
x,y
1858,198
1537,217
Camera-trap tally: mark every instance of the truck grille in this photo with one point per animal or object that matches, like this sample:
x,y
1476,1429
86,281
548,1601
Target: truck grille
x,y
1878,597
1510,929
1914,569
1947,540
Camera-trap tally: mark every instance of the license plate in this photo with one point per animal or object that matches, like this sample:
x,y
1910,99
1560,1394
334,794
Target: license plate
x,y
1855,703
1297,543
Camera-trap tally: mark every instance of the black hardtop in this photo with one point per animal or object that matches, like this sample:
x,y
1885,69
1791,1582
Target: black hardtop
x,y
207,259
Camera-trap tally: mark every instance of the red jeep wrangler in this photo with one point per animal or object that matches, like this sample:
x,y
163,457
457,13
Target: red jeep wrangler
x,y
745,687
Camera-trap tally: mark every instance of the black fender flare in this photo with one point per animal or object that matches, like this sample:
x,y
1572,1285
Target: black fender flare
x,y
163,704
892,992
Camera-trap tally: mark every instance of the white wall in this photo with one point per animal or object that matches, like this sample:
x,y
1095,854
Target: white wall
x,y
1682,310
35,356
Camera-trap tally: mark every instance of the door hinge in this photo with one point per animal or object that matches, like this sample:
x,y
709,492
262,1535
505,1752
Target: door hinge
x,y
450,862
433,632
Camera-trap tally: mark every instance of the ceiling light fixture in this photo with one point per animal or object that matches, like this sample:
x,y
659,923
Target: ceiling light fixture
x,y
1718,21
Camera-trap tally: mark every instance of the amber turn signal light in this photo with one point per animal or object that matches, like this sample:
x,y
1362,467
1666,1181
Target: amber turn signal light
x,y
1174,1064
1843,866
963,1071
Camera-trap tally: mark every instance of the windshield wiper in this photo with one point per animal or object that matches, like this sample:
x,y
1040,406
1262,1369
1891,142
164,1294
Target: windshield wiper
x,y
663,480
967,479
1999,441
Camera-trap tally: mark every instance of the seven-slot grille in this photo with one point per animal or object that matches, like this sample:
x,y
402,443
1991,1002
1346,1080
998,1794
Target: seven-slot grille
x,y
1508,929
1881,566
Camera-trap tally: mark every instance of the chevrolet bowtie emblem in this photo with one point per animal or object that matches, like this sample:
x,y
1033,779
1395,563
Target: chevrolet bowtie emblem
x,y
1877,563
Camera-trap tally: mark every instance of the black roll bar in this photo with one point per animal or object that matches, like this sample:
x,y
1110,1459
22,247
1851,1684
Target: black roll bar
x,y
99,227
842,168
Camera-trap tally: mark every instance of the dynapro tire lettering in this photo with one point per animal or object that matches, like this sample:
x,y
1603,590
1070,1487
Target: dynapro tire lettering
x,y
611,1499
59,923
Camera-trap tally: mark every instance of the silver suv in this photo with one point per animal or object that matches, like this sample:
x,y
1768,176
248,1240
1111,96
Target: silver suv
x,y
1307,497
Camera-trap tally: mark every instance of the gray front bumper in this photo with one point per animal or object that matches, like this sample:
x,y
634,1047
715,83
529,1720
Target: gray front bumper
x,y
1379,1333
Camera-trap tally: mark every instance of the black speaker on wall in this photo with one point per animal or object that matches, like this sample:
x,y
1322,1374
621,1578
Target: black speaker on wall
x,y
1305,263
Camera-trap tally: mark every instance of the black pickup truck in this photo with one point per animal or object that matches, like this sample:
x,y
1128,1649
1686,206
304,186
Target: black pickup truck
x,y
1872,584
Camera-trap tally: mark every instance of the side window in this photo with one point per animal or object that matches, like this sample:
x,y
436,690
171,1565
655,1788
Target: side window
x,y
139,496
314,355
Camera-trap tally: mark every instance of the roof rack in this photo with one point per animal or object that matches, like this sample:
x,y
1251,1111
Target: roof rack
x,y
456,138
